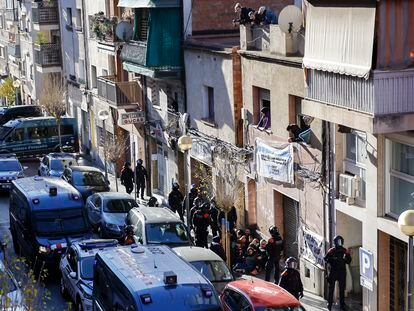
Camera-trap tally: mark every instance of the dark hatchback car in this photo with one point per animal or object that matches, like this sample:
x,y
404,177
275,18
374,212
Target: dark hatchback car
x,y
86,179
17,112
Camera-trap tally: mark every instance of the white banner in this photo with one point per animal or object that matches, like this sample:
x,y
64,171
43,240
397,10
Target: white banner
x,y
312,248
275,162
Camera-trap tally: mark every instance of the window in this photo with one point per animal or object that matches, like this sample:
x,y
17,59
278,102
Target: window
x,y
236,301
141,33
72,260
69,17
261,108
78,19
208,103
400,177
2,52
354,158
94,77
138,229
18,135
1,22
97,201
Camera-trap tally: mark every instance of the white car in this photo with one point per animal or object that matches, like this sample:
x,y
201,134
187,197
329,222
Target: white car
x,y
76,268
55,163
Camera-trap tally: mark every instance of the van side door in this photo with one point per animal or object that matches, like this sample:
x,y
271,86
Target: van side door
x,y
15,141
21,226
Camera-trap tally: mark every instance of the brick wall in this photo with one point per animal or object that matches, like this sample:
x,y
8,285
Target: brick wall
x,y
217,15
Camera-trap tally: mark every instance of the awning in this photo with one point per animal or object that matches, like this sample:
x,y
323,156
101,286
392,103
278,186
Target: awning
x,y
149,3
138,69
340,39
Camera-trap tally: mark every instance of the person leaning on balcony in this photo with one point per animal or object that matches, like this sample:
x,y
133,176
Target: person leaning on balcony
x,y
267,16
264,122
243,15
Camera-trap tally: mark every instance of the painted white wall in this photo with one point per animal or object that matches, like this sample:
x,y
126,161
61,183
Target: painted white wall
x,y
214,70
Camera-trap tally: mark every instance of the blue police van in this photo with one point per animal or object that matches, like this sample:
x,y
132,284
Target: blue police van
x,y
138,278
46,215
36,136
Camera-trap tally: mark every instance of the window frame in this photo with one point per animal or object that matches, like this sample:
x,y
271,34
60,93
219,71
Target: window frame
x,y
389,172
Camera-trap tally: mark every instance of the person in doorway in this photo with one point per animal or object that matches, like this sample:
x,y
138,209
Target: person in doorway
x,y
175,200
218,248
201,222
264,122
274,249
127,178
336,260
290,278
214,213
141,175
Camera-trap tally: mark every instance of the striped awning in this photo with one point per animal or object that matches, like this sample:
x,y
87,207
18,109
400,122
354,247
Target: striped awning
x,y
149,3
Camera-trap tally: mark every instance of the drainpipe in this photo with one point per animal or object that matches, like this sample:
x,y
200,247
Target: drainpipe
x,y
147,145
86,49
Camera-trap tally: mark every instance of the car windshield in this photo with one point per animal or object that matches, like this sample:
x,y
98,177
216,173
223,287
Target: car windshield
x,y
86,266
166,233
88,178
119,205
65,221
215,271
4,131
61,164
7,166
6,283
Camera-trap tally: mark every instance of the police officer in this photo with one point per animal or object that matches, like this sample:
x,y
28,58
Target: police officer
x,y
290,278
214,213
175,200
196,206
274,250
201,221
153,202
141,175
336,260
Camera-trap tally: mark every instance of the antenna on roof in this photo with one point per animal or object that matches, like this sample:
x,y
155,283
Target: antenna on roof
x,y
290,19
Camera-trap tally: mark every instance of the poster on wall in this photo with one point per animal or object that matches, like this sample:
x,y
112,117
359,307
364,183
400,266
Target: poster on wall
x,y
275,162
312,248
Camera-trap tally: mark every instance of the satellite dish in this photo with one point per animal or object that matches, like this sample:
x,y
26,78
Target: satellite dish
x,y
124,31
290,19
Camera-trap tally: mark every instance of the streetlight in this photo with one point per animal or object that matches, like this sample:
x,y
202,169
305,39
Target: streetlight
x,y
185,143
406,225
103,115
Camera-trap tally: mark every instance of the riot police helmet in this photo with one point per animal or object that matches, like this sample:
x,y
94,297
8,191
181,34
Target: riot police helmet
x,y
273,230
153,202
338,241
291,262
175,186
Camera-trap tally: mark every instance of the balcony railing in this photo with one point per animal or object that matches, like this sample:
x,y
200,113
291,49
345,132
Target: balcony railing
x,y
48,54
11,15
13,50
135,52
119,93
384,93
45,13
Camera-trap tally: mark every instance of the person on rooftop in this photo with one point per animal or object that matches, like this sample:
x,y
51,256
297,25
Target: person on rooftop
x,y
243,12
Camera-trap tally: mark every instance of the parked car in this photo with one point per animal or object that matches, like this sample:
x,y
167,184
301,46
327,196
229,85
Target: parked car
x,y
86,179
208,263
20,111
54,164
254,294
38,136
158,225
76,267
11,294
10,169
46,215
107,211
149,278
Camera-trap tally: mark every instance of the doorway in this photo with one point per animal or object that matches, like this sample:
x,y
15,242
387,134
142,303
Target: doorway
x,y
290,226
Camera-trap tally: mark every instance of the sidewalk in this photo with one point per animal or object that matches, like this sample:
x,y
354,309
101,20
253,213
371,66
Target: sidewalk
x,y
310,302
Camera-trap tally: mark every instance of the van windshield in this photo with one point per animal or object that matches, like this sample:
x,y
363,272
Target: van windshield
x,y
167,233
10,166
4,131
88,179
215,271
66,221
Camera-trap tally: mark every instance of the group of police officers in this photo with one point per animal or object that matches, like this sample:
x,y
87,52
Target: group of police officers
x,y
206,214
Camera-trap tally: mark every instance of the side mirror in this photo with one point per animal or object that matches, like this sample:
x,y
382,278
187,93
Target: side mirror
x,y
72,275
25,167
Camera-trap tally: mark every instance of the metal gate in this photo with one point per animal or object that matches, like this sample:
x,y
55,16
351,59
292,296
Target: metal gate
x,y
398,272
290,225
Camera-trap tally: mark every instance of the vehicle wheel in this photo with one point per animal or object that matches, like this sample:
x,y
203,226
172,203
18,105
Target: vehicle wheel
x,y
63,289
16,245
79,306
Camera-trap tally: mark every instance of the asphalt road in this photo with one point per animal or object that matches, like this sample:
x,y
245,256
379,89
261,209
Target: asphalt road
x,y
55,300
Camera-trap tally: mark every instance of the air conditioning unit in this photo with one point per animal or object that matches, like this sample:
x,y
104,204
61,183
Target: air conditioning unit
x,y
349,187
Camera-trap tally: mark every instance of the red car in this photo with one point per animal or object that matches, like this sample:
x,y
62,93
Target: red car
x,y
257,295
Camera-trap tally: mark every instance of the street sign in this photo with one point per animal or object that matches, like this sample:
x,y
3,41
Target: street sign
x,y
366,268
132,118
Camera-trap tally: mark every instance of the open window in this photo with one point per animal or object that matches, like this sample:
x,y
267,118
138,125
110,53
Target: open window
x,y
261,108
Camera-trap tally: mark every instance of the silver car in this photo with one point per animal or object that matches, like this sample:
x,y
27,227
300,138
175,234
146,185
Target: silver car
x,y
54,164
106,212
76,268
10,169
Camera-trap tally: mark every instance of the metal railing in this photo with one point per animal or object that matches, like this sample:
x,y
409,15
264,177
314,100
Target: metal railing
x,y
45,13
119,93
48,54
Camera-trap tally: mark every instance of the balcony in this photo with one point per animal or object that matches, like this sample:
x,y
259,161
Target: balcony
x,y
102,28
135,57
384,93
48,55
119,94
13,50
11,15
45,13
